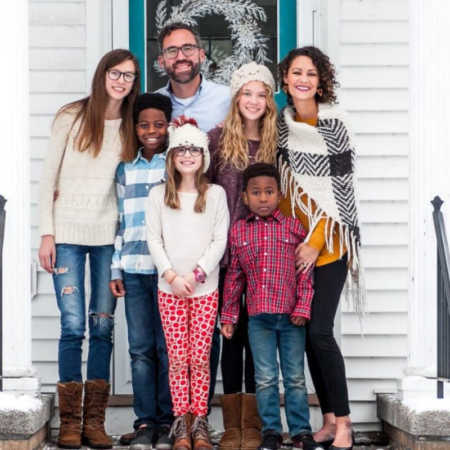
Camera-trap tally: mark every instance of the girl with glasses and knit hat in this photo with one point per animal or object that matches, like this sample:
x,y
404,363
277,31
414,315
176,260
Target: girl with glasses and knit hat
x,y
248,135
187,226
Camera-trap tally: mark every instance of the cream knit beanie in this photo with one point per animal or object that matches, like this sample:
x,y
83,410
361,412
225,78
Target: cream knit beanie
x,y
251,72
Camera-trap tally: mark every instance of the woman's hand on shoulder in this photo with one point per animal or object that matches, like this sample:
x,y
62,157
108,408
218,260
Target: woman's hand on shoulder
x,y
47,253
305,257
180,287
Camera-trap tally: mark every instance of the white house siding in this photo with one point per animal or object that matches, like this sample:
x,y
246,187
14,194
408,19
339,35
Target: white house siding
x,y
57,76
372,56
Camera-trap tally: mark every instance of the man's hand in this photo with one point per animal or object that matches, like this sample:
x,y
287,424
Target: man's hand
x,y
116,287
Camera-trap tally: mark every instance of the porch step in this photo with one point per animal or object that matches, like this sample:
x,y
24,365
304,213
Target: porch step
x,y
53,446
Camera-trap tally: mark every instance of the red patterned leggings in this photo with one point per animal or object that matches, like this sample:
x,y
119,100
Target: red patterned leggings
x,y
188,325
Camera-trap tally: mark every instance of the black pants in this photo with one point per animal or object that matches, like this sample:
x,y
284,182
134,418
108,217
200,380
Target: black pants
x,y
237,360
325,360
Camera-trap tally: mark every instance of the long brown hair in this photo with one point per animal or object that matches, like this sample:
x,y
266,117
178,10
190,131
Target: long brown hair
x,y
90,111
234,144
171,198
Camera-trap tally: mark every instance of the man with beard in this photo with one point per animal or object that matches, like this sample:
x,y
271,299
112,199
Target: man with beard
x,y
192,94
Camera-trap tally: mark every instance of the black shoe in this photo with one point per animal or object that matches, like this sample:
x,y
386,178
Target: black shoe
x,y
271,441
165,441
307,442
333,447
143,439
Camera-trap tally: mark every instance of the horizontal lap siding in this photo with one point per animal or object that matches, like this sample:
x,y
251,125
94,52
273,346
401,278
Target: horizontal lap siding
x,y
57,76
373,72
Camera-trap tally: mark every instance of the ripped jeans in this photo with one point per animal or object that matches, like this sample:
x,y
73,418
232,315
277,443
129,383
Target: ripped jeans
x,y
69,280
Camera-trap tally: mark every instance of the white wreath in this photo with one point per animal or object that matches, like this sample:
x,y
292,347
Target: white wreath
x,y
249,44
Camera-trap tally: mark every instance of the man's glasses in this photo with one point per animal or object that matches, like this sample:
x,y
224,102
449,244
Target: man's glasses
x,y
186,49
193,151
114,75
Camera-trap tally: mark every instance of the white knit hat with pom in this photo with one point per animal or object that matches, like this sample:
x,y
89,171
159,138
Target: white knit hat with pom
x,y
184,132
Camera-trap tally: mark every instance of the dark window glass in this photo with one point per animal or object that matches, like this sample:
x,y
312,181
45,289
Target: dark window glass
x,y
215,37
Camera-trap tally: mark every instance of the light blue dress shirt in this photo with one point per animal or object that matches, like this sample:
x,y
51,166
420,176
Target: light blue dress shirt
x,y
208,106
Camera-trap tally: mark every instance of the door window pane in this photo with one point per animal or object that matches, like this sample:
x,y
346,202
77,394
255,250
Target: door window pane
x,y
232,33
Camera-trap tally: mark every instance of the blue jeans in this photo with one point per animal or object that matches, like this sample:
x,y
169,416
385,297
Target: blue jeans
x,y
68,279
147,347
268,333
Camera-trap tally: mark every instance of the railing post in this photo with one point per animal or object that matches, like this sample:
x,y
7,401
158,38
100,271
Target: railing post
x,y
2,233
443,298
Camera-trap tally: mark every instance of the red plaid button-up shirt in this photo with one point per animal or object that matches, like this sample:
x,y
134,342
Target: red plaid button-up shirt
x,y
262,256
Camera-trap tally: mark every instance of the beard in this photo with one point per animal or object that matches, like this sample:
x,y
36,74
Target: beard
x,y
184,77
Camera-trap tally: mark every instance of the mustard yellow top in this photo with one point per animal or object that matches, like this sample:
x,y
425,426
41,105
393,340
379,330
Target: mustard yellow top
x,y
317,238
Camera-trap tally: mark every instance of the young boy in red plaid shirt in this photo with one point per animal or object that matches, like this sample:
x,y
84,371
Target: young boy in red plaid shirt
x,y
262,251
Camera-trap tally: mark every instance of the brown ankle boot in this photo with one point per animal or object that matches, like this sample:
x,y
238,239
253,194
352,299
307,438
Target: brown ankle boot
x,y
200,434
181,432
69,395
250,423
96,393
231,413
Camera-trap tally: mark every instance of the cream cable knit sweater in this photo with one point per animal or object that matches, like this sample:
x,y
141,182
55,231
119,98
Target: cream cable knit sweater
x,y
85,211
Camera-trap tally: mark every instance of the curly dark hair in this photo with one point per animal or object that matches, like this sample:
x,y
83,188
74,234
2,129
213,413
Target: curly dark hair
x,y
326,70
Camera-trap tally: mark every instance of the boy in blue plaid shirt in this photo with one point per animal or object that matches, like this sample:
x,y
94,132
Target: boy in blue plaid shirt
x,y
133,275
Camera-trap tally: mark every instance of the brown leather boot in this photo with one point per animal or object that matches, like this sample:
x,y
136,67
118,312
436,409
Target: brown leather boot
x,y
231,413
96,393
69,395
200,434
181,432
250,423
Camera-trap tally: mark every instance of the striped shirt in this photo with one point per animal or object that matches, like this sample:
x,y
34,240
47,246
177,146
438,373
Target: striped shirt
x,y
133,183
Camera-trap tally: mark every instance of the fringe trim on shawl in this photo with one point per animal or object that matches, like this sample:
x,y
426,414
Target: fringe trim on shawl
x,y
354,289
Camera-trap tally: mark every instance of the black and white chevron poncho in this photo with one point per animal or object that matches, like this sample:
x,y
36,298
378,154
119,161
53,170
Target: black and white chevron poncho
x,y
318,163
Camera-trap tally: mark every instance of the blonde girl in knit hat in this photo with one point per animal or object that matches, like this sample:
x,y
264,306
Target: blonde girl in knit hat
x,y
248,136
187,226
78,217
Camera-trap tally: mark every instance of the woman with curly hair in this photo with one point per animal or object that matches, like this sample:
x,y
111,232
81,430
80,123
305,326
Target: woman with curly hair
x,y
248,135
316,160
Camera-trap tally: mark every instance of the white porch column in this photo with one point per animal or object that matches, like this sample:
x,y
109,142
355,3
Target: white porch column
x,y
430,168
15,186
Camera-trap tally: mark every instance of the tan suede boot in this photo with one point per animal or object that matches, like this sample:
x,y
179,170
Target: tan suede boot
x,y
96,393
69,395
200,433
250,423
231,413
181,432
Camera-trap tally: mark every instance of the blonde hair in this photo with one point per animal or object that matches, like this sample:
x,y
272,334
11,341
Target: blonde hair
x,y
171,198
234,144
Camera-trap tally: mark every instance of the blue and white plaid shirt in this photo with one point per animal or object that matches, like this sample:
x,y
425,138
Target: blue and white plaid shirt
x,y
133,183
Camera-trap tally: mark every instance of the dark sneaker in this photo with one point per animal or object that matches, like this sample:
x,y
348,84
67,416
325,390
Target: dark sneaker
x,y
164,442
307,442
143,439
271,441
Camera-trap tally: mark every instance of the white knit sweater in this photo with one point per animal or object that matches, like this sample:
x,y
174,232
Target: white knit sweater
x,y
85,210
181,239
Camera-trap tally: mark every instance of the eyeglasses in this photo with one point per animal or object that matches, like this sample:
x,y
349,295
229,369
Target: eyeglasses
x,y
114,75
186,49
193,151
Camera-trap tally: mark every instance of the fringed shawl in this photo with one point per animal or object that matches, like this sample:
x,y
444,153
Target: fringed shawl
x,y
317,168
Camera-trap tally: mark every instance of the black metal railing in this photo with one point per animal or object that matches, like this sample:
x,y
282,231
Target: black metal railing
x,y
2,233
443,298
